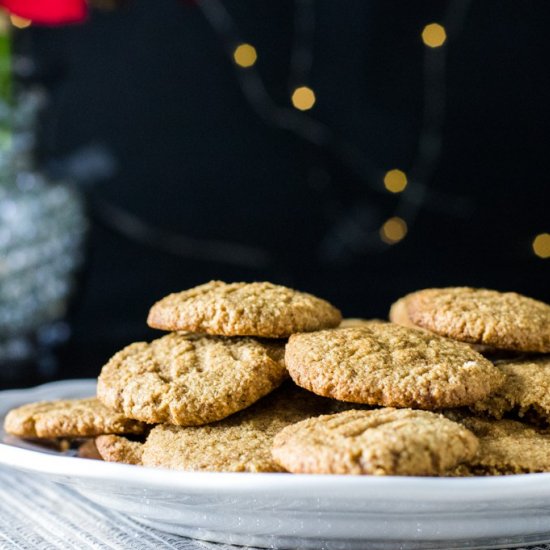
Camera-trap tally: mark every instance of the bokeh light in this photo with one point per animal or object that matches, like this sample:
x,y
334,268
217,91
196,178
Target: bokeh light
x,y
541,245
393,230
245,55
20,22
303,98
434,35
395,181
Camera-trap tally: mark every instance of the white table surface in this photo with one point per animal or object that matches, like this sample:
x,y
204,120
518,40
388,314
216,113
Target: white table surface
x,y
36,514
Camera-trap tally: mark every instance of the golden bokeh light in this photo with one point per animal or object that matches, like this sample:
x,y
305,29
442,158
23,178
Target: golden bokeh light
x,y
303,98
434,35
20,22
245,55
541,245
395,181
393,230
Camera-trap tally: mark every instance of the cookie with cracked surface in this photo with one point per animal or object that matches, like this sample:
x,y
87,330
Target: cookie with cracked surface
x,y
378,442
502,320
399,315
188,380
243,309
69,418
239,443
114,448
505,447
389,365
526,391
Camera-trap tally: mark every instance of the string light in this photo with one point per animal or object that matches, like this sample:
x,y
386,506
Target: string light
x,y
20,22
316,132
303,98
434,35
393,230
245,55
395,181
541,245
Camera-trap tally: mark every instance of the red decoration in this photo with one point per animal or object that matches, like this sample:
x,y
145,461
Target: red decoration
x,y
48,12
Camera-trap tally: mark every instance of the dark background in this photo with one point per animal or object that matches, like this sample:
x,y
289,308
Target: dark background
x,y
152,86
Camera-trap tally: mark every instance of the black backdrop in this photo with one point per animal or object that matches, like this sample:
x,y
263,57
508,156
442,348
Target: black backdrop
x,y
151,85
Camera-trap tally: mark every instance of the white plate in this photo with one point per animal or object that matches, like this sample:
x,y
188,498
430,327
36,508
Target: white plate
x,y
296,511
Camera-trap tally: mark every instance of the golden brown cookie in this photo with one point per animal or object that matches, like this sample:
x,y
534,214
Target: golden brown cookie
x,y
88,449
505,447
69,418
355,322
525,392
189,380
113,448
503,320
399,315
240,443
243,309
379,442
386,364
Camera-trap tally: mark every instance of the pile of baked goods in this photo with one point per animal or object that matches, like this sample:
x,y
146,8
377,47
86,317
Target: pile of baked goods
x,y
256,377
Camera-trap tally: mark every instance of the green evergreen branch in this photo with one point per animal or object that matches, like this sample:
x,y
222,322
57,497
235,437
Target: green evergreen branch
x,y
5,88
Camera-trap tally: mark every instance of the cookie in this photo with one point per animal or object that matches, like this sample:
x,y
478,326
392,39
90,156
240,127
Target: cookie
x,y
113,448
386,364
240,443
399,315
525,392
88,450
243,309
70,418
354,322
379,442
503,320
188,380
505,447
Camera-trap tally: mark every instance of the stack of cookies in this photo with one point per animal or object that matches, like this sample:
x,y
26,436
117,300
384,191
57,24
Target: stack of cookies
x,y
414,396
513,422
